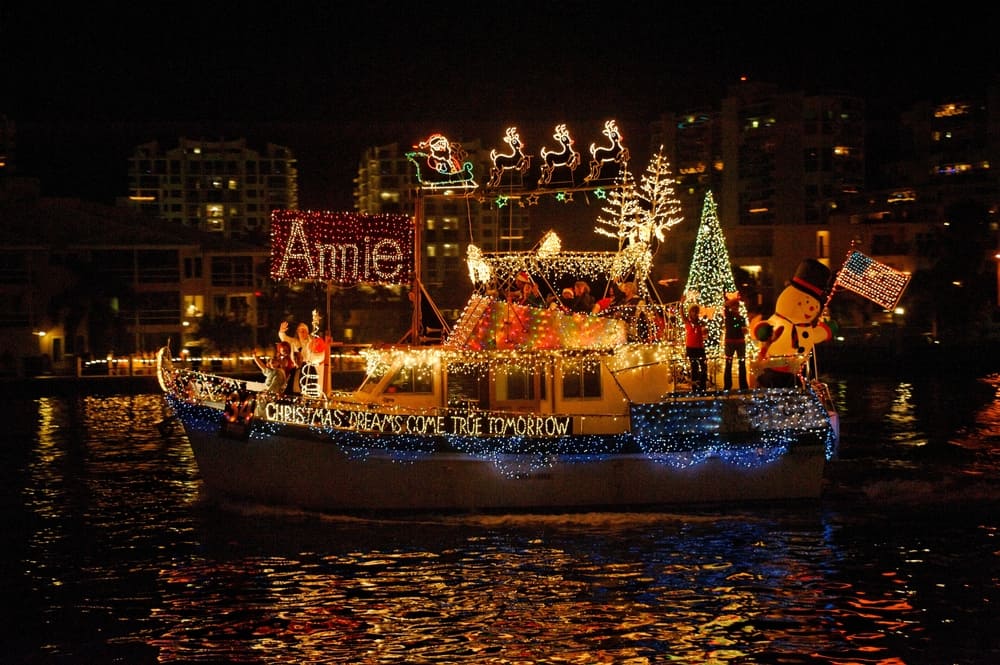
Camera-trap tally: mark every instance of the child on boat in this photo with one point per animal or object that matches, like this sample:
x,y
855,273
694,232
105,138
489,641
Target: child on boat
x,y
273,369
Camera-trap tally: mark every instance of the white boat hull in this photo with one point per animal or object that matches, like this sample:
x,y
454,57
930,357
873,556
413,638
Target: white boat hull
x,y
318,475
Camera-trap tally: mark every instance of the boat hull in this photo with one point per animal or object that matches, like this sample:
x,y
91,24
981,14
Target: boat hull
x,y
298,468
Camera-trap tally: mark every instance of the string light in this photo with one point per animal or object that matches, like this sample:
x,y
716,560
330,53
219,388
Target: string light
x,y
614,152
747,432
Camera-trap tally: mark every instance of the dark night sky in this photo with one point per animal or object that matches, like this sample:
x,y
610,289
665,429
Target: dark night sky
x,y
87,84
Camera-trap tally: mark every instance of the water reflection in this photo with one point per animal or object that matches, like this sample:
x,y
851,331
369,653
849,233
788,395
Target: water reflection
x,y
119,558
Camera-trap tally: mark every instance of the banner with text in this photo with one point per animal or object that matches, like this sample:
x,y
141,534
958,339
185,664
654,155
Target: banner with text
x,y
342,248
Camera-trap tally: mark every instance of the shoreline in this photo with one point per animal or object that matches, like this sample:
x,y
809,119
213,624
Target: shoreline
x,y
45,385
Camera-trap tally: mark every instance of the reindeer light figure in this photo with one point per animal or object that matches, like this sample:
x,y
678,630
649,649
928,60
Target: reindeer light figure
x,y
552,159
515,161
615,152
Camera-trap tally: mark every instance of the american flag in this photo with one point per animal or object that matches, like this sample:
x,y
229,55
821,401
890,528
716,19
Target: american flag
x,y
876,281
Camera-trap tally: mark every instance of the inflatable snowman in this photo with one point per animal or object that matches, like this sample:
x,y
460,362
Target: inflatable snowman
x,y
787,337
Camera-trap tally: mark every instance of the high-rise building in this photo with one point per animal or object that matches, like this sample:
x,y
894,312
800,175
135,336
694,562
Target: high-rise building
x,y
780,165
692,141
219,187
386,182
790,158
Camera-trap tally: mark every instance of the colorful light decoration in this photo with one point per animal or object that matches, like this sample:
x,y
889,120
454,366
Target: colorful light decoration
x,y
549,246
479,270
504,266
679,436
442,164
504,325
878,282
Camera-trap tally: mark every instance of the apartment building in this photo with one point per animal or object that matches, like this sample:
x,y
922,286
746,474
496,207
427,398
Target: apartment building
x,y
782,166
218,187
92,280
793,178
386,182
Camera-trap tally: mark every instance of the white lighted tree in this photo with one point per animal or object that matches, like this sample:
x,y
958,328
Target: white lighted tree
x,y
711,275
638,217
621,209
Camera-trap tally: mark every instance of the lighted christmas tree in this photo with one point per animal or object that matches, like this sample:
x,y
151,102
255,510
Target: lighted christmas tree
x,y
638,218
711,274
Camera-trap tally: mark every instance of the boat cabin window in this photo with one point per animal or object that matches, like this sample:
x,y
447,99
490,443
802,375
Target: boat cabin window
x,y
417,379
518,384
581,380
371,383
373,380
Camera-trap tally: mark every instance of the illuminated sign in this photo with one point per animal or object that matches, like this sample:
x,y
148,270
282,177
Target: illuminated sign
x,y
342,248
445,423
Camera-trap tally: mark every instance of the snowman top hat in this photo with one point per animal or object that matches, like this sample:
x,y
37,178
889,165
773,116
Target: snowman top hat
x,y
812,277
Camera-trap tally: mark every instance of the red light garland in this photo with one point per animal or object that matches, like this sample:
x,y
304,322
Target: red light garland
x,y
342,248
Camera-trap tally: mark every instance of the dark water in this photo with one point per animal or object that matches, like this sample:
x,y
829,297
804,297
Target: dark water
x,y
112,555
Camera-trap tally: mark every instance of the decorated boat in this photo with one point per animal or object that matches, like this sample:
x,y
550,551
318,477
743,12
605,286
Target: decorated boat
x,y
524,404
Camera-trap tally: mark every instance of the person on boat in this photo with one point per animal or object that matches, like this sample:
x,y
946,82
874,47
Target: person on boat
x,y
696,330
611,298
303,350
283,351
735,325
526,291
275,380
582,300
562,302
623,302
629,300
